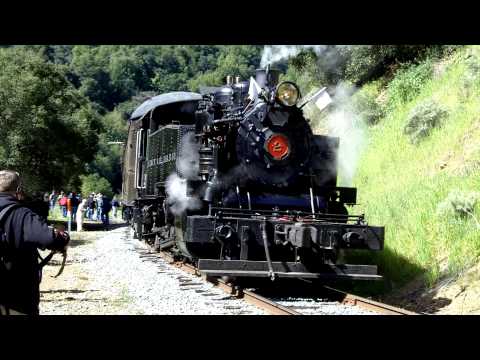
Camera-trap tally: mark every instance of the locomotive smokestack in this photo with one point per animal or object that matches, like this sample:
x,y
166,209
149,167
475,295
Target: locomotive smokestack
x,y
237,80
229,80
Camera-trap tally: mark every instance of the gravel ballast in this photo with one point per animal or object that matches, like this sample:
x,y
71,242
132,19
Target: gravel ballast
x,y
121,277
110,273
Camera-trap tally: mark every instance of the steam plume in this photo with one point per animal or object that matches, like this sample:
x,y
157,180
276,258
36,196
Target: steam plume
x,y
176,186
345,123
189,157
178,200
274,53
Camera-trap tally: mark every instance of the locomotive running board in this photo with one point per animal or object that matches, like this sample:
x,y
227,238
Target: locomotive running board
x,y
242,268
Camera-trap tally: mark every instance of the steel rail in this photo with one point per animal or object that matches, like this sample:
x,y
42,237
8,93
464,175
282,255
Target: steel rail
x,y
367,304
274,308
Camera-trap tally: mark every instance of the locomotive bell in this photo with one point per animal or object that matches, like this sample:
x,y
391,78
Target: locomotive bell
x,y
224,95
240,92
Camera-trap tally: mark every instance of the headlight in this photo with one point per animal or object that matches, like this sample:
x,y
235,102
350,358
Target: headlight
x,y
287,93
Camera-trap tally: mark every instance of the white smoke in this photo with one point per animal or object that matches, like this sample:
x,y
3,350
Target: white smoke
x,y
176,186
345,123
178,200
189,157
274,53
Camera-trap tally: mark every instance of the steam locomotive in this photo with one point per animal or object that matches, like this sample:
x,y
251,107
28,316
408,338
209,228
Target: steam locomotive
x,y
233,180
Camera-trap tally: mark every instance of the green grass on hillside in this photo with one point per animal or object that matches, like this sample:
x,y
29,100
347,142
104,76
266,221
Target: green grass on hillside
x,y
400,185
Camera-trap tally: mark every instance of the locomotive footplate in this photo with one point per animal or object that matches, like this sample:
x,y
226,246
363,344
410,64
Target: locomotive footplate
x,y
300,234
241,268
268,247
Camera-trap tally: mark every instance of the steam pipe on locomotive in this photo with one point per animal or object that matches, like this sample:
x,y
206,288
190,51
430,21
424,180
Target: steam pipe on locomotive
x,y
234,180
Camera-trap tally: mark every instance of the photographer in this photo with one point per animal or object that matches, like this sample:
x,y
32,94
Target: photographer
x,y
22,233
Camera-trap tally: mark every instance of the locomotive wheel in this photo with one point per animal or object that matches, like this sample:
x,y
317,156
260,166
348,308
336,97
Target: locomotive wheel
x,y
156,245
229,279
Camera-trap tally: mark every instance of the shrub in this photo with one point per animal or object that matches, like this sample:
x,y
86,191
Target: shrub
x,y
95,183
471,74
422,119
459,203
473,65
368,62
365,61
408,82
366,105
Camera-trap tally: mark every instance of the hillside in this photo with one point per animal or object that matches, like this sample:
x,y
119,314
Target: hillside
x,y
418,172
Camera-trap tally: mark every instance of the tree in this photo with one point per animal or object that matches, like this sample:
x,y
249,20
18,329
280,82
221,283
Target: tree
x,y
241,60
59,91
107,160
48,130
95,183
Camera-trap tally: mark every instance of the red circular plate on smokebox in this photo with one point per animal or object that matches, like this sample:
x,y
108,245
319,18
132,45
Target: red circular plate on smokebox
x,y
277,146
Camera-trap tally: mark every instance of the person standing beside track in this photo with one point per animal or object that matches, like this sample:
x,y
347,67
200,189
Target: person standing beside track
x,y
80,213
52,200
22,233
115,205
91,206
105,214
62,201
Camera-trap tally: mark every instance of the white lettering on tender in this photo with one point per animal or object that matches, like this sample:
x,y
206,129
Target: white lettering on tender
x,y
162,159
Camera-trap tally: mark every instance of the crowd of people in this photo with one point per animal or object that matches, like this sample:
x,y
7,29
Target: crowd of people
x,y
95,207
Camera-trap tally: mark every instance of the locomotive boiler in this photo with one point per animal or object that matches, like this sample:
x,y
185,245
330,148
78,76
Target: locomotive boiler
x,y
233,180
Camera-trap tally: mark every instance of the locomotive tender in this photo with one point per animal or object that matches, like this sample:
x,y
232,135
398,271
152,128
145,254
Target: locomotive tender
x,y
233,180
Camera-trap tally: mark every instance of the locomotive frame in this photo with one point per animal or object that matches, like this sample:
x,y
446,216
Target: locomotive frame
x,y
245,228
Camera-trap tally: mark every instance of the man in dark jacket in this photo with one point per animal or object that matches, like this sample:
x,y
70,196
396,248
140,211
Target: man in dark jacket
x,y
22,232
90,206
106,207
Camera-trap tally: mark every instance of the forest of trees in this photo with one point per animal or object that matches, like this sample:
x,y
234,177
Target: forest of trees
x,y
61,106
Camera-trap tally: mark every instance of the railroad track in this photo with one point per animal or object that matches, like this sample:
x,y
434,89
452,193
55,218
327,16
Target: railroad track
x,y
332,298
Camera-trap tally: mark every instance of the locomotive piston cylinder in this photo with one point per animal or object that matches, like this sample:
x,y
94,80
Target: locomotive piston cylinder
x,y
206,160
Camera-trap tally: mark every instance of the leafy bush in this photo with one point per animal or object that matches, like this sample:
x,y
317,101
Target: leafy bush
x,y
366,105
365,61
473,64
95,183
354,63
471,74
459,203
408,82
422,119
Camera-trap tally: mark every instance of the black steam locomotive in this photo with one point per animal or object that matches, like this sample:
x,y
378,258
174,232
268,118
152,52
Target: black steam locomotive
x,y
233,180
